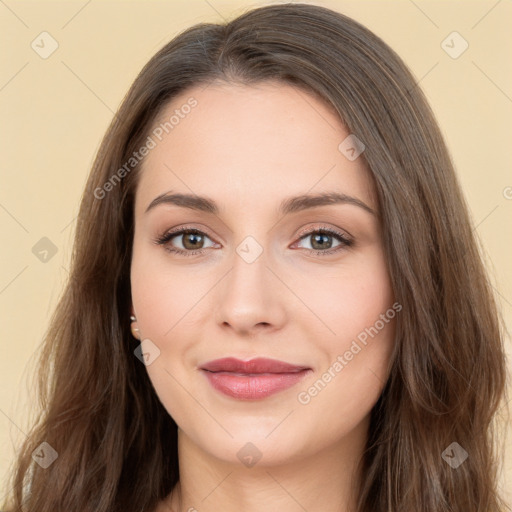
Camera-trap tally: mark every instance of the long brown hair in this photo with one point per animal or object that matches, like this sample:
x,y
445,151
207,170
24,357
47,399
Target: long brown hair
x,y
117,445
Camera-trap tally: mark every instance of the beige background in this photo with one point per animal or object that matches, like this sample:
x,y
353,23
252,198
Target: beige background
x,y
54,112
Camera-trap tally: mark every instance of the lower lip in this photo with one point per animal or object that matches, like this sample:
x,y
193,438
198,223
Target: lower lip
x,y
253,386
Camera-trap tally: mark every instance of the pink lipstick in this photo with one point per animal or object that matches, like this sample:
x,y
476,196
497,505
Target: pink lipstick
x,y
254,379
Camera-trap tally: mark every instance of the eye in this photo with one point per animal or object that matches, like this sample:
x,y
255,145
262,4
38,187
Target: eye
x,y
321,241
191,243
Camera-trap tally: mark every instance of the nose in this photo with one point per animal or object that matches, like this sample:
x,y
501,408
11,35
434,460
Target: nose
x,y
251,297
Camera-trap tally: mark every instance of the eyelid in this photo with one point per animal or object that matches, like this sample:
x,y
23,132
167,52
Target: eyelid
x,y
179,230
323,227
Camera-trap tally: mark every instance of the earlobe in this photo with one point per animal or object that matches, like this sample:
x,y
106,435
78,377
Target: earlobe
x,y
134,328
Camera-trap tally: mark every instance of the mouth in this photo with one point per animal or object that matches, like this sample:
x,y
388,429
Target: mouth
x,y
252,380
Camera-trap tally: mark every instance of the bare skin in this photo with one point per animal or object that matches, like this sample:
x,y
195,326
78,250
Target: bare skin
x,y
248,149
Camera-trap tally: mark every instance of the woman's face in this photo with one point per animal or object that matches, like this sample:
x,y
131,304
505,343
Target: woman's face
x,y
262,278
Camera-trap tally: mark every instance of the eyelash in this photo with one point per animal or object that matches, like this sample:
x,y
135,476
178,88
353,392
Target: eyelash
x,y
167,237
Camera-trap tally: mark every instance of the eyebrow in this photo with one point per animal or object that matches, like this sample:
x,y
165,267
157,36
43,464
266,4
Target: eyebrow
x,y
287,206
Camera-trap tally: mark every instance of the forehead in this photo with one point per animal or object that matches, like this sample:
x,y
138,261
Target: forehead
x,y
252,144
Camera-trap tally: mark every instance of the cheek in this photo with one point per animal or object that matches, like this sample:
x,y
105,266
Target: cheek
x,y
165,297
349,299
357,307
344,391
162,298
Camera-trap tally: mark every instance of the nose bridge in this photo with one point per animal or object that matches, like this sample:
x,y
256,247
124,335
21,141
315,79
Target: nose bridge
x,y
251,251
249,271
247,296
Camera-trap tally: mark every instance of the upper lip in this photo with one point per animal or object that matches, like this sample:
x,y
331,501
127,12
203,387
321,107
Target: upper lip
x,y
258,365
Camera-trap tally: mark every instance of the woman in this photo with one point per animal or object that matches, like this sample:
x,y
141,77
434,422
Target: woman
x,y
203,358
